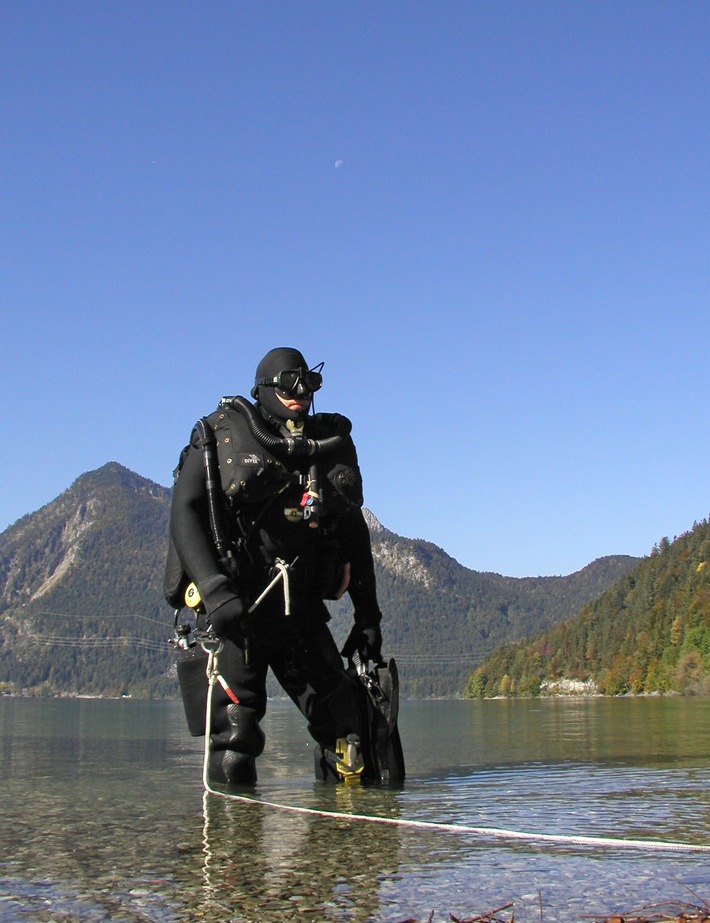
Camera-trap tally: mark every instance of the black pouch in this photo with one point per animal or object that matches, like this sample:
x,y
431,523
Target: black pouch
x,y
192,676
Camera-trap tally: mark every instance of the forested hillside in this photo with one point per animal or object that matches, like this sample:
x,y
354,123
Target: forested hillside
x,y
81,607
441,618
649,633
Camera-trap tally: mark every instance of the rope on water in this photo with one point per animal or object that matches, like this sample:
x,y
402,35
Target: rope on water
x,y
559,839
495,832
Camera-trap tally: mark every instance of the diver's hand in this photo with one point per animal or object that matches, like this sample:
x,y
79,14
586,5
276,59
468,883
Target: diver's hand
x,y
226,610
366,641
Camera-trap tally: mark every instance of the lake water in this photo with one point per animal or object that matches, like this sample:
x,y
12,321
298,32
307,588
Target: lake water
x,y
103,817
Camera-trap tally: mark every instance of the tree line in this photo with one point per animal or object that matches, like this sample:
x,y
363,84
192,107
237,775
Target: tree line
x,y
649,633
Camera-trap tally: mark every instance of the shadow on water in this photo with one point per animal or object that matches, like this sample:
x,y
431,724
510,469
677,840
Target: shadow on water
x,y
103,816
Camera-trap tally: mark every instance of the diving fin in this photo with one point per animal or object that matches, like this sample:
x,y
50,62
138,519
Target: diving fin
x,y
382,686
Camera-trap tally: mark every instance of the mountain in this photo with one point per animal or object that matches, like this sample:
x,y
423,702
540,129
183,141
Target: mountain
x,y
650,632
80,591
81,607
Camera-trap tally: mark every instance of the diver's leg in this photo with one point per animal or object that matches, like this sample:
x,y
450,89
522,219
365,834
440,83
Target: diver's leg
x,y
236,738
310,670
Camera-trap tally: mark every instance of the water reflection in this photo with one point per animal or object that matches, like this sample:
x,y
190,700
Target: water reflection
x,y
257,863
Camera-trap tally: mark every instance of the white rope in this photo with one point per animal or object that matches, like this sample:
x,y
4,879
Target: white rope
x,y
282,569
212,674
494,832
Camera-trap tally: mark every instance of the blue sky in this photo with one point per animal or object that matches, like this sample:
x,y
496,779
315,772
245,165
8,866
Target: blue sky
x,y
490,219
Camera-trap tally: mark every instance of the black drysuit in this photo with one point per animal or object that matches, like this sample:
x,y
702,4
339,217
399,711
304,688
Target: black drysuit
x,y
265,518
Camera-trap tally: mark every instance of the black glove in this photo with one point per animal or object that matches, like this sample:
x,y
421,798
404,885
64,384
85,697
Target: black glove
x,y
366,641
227,612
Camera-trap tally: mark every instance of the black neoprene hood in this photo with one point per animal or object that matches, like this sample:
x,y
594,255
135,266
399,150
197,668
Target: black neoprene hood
x,y
278,360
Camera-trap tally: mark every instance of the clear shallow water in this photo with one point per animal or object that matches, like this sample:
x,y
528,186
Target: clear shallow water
x,y
102,816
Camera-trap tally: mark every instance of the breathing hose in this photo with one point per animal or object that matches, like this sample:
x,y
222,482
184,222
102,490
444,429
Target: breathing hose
x,y
287,445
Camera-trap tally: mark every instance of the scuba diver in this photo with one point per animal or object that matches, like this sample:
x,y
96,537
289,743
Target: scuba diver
x,y
266,523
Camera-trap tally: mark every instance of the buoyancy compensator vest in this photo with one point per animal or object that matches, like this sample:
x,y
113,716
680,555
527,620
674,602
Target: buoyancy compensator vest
x,y
255,465
250,455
